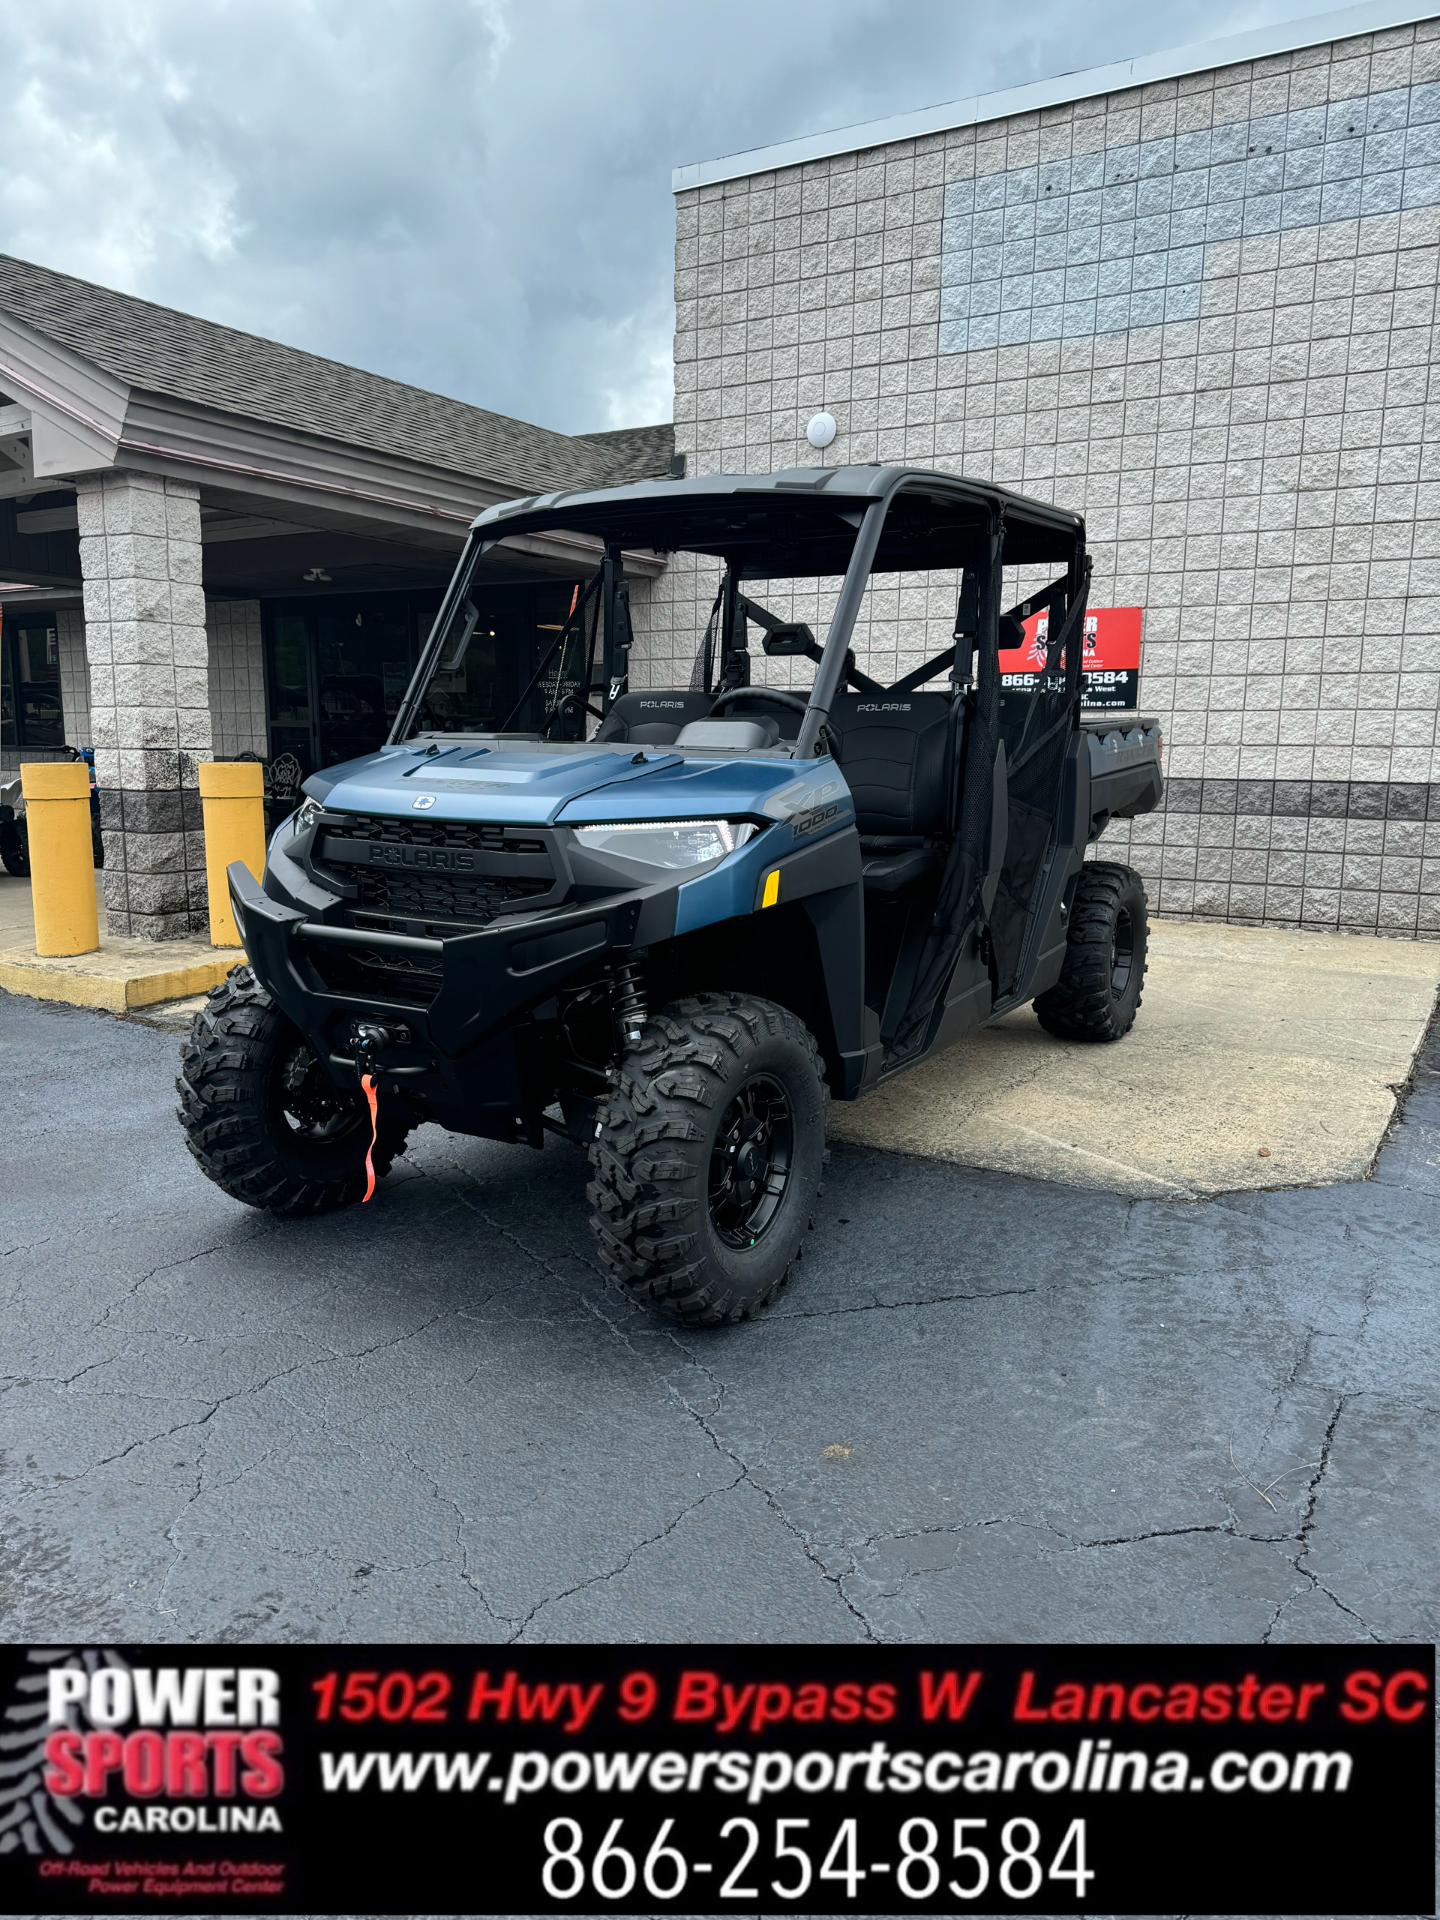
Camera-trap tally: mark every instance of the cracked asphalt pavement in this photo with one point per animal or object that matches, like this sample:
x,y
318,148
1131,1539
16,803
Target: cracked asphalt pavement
x,y
987,1408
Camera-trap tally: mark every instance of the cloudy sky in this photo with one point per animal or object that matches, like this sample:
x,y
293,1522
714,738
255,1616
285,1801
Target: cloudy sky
x,y
471,194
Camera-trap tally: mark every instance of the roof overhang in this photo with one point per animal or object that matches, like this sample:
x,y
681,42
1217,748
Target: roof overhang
x,y
72,418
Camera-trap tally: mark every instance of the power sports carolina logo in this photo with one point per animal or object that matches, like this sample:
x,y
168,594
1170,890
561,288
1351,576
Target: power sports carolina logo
x,y
180,1749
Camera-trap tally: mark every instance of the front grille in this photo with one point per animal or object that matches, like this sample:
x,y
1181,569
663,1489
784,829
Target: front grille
x,y
434,900
435,896
436,833
377,974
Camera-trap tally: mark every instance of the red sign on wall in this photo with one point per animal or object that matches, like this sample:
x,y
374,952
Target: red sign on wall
x,y
1111,672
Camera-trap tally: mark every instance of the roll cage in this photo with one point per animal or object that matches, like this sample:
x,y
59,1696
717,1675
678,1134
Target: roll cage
x,y
850,521
796,524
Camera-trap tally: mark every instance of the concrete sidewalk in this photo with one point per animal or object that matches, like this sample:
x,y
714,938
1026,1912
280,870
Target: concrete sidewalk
x,y
1259,1059
121,975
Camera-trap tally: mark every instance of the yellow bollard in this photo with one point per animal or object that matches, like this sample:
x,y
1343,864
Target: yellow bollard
x,y
62,856
232,793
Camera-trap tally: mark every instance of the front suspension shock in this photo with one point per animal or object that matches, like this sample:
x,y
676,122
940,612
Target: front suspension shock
x,y
631,1012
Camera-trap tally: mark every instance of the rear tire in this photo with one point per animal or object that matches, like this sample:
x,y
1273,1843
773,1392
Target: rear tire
x,y
1098,993
707,1158
261,1116
16,856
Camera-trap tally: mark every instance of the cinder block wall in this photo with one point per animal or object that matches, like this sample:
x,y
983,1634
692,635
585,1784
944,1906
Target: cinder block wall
x,y
236,671
1202,312
237,678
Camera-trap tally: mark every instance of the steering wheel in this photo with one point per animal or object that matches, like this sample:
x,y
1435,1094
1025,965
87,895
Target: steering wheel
x,y
825,741
777,694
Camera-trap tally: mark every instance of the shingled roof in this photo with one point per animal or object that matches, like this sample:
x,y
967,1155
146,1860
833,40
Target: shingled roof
x,y
162,351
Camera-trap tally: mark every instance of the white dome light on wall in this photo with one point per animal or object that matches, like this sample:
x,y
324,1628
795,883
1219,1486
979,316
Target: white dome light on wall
x,y
821,430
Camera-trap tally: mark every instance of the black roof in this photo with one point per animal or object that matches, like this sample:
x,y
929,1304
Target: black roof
x,y
163,351
801,521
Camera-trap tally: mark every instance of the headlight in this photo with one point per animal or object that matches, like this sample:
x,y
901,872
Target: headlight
x,y
307,817
668,843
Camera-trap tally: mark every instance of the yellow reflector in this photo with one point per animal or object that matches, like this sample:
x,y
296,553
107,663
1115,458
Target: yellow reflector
x,y
772,889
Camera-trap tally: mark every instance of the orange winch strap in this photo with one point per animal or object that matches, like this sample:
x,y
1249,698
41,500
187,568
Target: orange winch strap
x,y
367,1081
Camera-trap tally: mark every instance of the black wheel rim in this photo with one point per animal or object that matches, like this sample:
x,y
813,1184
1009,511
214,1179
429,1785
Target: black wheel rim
x,y
306,1105
751,1161
1122,959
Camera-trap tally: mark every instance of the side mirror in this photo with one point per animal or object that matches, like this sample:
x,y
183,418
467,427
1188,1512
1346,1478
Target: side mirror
x,y
794,639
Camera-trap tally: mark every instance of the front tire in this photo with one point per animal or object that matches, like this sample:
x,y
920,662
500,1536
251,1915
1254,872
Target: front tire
x,y
263,1119
1098,993
707,1158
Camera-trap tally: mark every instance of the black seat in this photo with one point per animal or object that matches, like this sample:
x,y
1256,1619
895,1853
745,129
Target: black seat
x,y
896,753
886,872
654,717
757,707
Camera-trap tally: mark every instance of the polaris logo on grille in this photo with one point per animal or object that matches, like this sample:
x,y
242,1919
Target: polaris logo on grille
x,y
423,800
447,859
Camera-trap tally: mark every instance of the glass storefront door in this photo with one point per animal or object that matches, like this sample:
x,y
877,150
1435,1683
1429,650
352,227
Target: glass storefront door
x,y
30,710
288,688
364,656
513,638
337,668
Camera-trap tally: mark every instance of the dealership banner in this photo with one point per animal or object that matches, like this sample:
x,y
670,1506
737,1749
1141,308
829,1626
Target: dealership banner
x,y
882,1780
1110,675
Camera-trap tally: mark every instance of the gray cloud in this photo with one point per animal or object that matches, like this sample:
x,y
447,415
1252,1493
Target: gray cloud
x,y
470,194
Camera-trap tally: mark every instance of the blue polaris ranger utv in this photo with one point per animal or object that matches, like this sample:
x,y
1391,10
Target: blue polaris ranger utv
x,y
673,923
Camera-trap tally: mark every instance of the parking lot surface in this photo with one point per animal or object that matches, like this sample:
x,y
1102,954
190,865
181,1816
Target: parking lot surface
x,y
986,1408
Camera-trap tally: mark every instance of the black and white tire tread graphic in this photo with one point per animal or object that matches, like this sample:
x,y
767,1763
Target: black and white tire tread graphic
x,y
651,1157
1098,993
244,1066
32,1819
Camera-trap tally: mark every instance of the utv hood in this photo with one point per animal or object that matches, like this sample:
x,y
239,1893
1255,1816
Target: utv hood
x,y
535,784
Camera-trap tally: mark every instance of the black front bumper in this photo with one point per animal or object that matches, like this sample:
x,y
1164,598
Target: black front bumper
x,y
468,1046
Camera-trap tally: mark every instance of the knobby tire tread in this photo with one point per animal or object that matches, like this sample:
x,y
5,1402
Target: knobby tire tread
x,y
222,1107
1081,1004
646,1192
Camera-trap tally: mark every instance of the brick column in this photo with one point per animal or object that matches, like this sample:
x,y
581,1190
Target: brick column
x,y
149,692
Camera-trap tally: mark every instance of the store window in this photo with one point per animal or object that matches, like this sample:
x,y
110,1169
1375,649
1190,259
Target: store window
x,y
364,659
337,668
31,713
514,639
